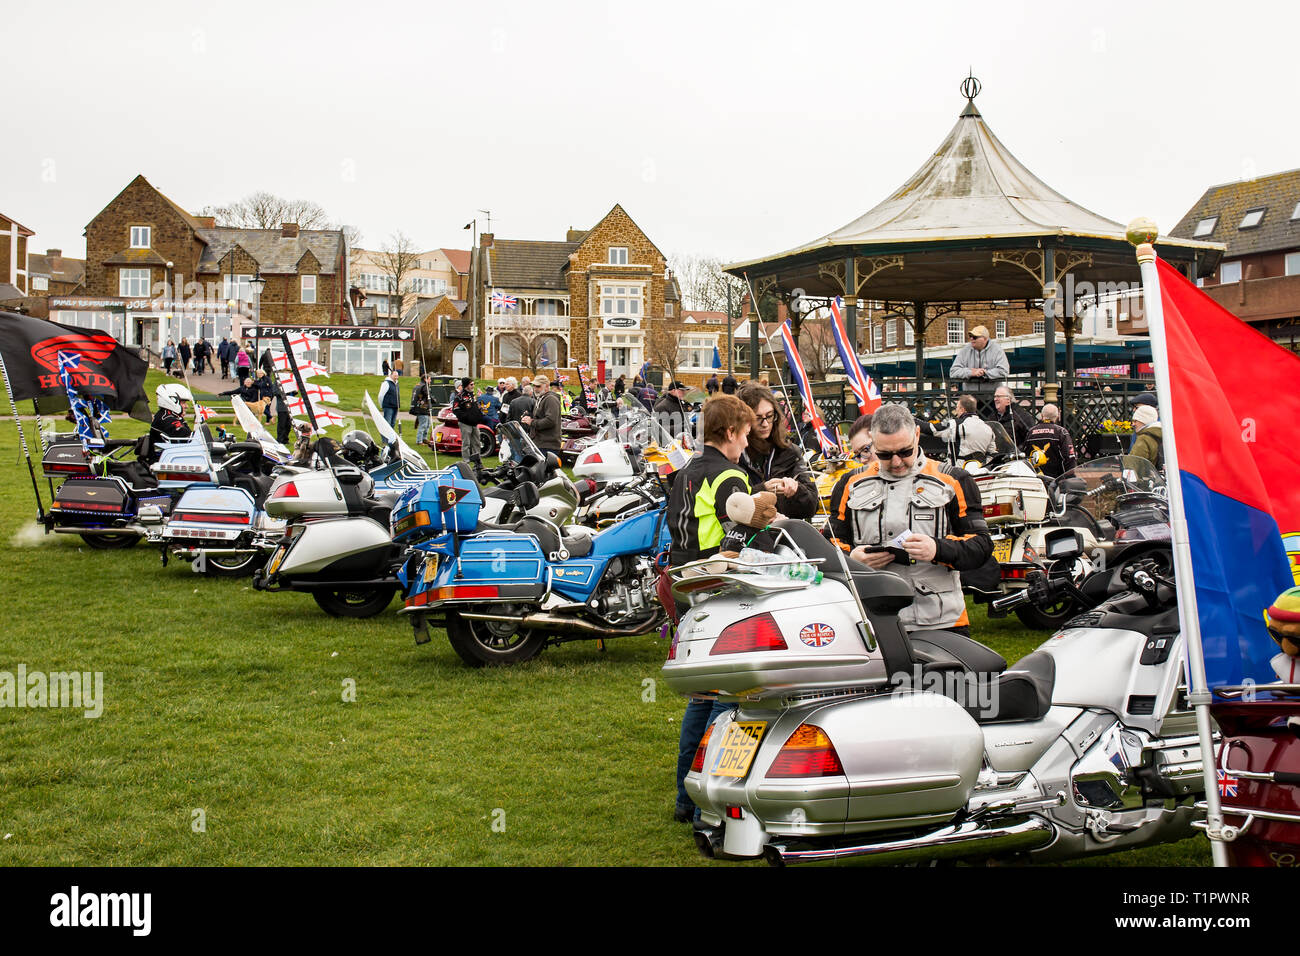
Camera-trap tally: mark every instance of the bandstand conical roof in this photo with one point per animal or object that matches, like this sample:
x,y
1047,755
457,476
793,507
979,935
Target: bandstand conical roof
x,y
970,198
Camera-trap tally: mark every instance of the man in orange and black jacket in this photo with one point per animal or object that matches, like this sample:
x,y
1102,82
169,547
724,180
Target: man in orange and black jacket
x,y
914,516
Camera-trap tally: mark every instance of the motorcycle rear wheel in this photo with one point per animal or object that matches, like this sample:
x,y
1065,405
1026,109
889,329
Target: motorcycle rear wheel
x,y
360,602
234,565
480,643
111,542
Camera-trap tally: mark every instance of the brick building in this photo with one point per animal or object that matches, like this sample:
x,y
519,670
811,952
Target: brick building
x,y
601,295
431,274
13,258
153,271
1258,279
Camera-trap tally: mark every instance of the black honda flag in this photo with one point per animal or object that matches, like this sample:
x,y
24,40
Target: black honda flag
x,y
107,370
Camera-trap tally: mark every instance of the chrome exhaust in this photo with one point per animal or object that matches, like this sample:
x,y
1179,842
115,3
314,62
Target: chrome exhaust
x,y
950,842
561,624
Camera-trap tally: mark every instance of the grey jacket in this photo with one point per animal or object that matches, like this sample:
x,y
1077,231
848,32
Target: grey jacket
x,y
992,358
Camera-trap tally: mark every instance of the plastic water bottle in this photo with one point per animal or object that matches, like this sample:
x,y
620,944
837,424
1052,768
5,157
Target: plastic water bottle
x,y
802,572
805,573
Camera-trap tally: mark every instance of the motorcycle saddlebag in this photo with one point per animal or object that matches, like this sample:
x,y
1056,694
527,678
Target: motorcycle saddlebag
x,y
447,502
65,459
92,500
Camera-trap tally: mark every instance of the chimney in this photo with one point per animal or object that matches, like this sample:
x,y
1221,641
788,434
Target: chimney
x,y
485,238
207,222
288,230
54,253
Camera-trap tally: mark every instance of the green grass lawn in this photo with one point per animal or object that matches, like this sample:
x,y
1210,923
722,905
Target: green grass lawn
x,y
226,706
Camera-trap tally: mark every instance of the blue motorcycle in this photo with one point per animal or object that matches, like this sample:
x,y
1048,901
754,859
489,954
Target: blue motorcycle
x,y
504,592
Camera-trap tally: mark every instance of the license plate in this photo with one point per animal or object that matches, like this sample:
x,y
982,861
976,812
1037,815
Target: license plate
x,y
277,559
430,568
1002,550
738,748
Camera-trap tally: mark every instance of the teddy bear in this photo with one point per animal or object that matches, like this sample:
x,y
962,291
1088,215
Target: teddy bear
x,y
1283,621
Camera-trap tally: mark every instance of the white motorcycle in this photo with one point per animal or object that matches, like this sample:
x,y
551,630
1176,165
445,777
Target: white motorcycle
x,y
853,739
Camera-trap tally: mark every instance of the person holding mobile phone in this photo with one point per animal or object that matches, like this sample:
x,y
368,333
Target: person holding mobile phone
x,y
915,516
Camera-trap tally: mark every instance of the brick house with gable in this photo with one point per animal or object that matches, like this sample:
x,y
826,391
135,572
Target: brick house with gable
x,y
153,271
602,294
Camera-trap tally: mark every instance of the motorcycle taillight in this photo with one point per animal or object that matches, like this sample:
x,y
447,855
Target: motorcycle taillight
x,y
697,765
286,490
808,753
758,633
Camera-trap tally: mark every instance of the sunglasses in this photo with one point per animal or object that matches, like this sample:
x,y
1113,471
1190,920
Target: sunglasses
x,y
907,452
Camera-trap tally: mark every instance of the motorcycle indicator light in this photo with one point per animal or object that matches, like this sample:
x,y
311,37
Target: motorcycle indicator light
x,y
997,510
808,753
758,633
697,765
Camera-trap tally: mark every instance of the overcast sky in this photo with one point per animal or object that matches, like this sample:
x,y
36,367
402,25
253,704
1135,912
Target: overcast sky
x,y
728,129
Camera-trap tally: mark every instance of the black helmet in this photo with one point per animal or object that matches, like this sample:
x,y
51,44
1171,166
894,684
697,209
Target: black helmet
x,y
359,447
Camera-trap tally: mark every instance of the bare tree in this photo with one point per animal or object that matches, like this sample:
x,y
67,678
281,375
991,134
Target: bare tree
x,y
704,284
664,347
396,260
532,335
817,348
263,210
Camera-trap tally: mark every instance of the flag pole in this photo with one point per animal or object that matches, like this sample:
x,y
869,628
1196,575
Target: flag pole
x,y
22,438
1142,233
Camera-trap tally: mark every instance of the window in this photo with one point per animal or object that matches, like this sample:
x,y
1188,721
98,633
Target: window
x,y
1295,213
620,300
956,331
133,282
1292,264
891,333
546,307
308,290
877,336
1230,272
1001,328
1252,218
40,284
1205,227
670,309
237,288
141,236
696,351
909,333
1040,327
618,255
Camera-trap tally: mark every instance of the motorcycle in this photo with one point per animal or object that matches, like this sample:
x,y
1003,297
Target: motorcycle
x,y
504,592
854,740
337,545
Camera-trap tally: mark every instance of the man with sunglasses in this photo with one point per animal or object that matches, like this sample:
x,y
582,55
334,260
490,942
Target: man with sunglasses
x,y
916,517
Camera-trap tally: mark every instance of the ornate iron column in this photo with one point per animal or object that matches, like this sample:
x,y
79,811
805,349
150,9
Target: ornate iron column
x,y
1050,385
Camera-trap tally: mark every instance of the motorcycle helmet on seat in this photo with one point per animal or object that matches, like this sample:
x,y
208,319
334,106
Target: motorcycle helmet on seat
x,y
171,395
358,447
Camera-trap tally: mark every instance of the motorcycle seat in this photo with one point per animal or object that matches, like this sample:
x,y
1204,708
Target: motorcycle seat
x,y
380,509
1024,692
972,655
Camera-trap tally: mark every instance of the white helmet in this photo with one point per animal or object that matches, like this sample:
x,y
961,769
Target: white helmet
x,y
171,395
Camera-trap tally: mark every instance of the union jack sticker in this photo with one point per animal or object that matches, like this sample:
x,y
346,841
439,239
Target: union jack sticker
x,y
1227,784
817,635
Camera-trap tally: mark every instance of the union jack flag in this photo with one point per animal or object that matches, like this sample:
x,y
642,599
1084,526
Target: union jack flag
x,y
864,389
204,412
1227,784
502,300
827,438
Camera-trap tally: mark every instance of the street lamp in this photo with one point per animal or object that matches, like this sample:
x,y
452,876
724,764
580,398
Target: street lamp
x,y
255,286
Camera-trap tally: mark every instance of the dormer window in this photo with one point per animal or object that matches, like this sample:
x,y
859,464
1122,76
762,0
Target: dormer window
x,y
1205,227
618,255
1252,218
141,237
1295,213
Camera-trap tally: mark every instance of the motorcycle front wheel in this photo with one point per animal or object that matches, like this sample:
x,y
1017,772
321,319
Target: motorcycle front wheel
x,y
360,602
480,643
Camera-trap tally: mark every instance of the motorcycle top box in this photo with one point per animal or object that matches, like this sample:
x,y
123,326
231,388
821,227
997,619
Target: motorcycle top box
x,y
64,459
1012,498
448,502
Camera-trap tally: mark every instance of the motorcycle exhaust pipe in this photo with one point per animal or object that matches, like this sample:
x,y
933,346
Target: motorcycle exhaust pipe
x,y
707,841
554,622
949,842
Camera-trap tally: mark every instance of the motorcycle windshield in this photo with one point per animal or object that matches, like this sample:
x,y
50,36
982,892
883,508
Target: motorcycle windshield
x,y
636,426
1106,479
